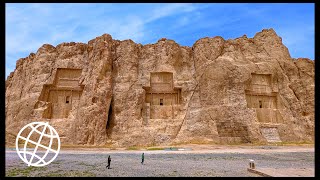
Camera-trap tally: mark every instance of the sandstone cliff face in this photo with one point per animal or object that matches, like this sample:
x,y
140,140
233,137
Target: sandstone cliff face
x,y
122,93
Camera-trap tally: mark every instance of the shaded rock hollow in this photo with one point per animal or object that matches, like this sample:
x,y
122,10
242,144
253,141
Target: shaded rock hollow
x,y
243,90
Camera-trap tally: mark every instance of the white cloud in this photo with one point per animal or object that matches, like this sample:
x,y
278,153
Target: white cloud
x,y
167,10
28,26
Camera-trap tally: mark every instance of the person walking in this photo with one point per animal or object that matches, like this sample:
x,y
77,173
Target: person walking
x,y
109,161
142,158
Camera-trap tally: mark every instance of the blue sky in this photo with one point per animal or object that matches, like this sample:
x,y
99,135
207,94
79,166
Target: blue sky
x,y
28,26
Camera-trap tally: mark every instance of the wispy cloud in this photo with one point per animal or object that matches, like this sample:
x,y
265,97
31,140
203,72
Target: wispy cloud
x,y
169,10
28,26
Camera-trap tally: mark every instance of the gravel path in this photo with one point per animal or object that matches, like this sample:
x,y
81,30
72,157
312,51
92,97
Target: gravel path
x,y
160,163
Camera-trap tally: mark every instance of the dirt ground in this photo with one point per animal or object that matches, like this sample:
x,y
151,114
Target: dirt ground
x,y
182,160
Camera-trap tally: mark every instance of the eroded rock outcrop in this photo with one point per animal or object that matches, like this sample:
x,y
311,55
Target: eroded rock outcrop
x,y
242,90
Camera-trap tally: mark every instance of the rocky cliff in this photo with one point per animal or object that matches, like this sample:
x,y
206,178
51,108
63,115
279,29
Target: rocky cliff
x,y
242,90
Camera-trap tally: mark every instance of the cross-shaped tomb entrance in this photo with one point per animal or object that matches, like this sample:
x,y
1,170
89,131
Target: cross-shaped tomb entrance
x,y
63,95
162,96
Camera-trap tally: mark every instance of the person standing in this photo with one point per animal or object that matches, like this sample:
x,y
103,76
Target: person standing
x,y
142,158
109,161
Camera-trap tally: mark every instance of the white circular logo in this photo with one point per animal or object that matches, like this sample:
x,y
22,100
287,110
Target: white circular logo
x,y
38,140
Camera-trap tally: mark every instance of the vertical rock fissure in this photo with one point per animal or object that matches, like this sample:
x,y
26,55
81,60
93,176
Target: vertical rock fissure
x,y
109,119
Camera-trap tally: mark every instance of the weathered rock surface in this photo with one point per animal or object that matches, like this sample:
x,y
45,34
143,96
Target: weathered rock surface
x,y
109,91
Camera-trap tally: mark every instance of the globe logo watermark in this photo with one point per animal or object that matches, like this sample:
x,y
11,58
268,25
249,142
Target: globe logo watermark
x,y
38,140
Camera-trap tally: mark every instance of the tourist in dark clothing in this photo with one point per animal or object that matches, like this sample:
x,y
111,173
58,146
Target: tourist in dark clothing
x,y
109,160
142,158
